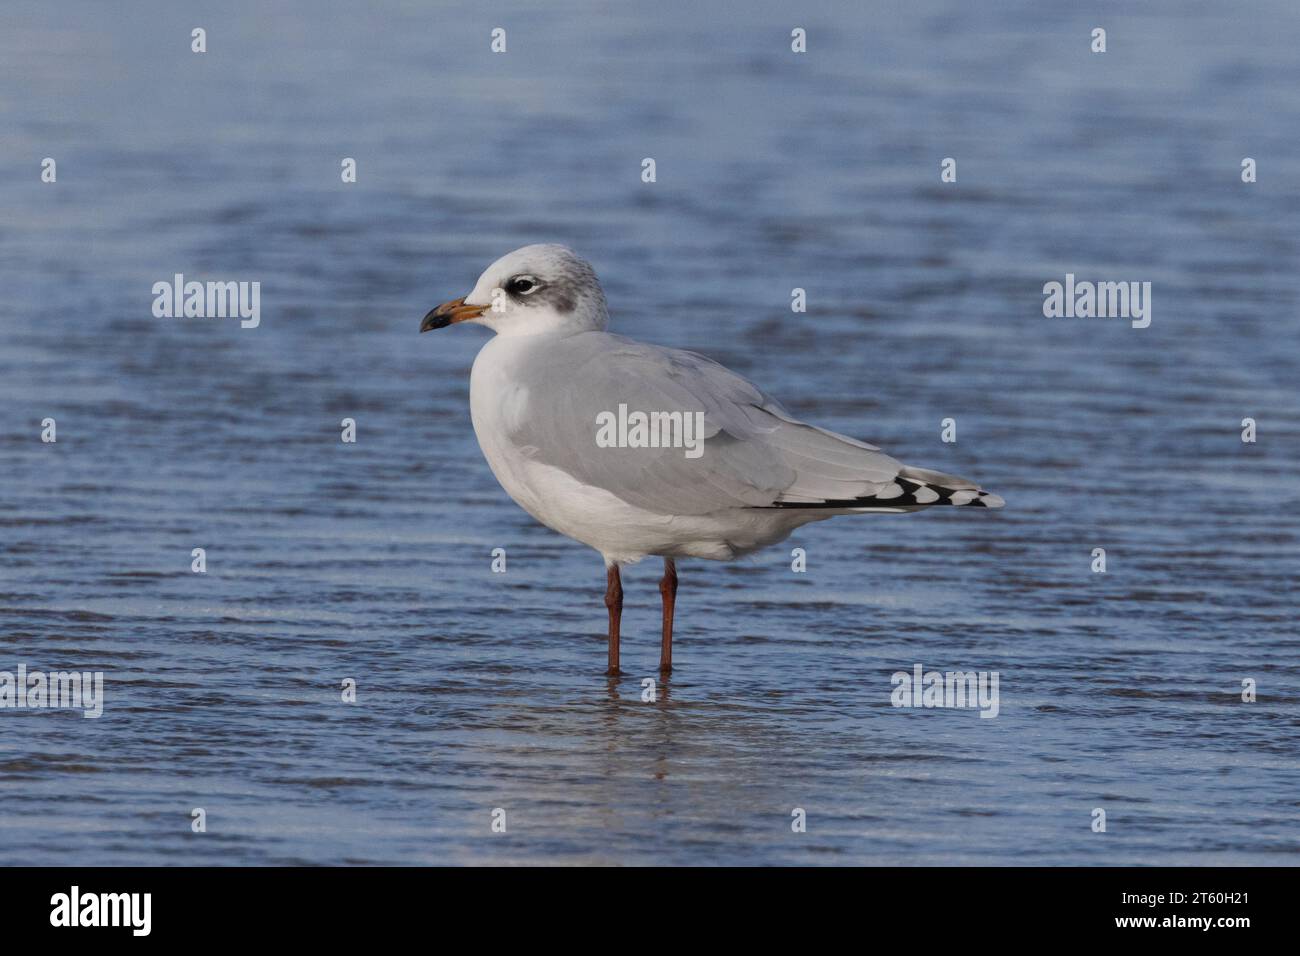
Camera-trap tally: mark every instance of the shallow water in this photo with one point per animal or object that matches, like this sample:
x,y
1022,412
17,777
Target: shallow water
x,y
372,561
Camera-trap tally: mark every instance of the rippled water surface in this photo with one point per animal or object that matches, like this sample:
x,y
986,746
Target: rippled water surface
x,y
372,561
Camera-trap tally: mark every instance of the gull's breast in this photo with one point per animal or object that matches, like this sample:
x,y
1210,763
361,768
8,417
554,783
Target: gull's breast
x,y
500,406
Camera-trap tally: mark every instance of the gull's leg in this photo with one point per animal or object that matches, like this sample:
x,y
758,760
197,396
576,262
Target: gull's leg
x,y
613,601
668,590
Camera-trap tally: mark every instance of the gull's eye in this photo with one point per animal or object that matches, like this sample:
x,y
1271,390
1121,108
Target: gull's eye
x,y
523,285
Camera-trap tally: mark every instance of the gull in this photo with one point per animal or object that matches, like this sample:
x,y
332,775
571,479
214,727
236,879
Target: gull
x,y
638,450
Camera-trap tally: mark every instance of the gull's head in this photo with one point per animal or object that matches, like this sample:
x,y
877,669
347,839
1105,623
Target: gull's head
x,y
536,289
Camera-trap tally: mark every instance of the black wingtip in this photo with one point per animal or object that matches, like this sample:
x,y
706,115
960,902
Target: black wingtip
x,y
908,499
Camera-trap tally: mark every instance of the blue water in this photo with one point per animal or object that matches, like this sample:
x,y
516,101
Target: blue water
x,y
372,561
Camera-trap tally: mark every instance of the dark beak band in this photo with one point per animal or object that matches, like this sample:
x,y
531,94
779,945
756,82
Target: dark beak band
x,y
449,313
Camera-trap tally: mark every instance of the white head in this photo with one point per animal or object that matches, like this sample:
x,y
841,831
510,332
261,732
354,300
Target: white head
x,y
533,290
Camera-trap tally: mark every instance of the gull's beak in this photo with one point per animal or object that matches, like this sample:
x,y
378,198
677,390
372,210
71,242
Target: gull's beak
x,y
449,313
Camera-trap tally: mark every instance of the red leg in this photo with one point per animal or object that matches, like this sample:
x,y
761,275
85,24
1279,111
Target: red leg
x,y
668,590
613,601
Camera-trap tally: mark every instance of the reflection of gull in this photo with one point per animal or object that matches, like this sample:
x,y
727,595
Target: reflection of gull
x,y
543,395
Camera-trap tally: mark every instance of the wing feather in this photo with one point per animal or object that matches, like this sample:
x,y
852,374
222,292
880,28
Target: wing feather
x,y
755,454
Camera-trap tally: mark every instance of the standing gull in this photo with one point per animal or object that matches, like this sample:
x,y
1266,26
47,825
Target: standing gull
x,y
635,450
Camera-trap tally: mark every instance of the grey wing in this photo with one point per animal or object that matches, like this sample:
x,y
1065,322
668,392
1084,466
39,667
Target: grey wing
x,y
754,454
